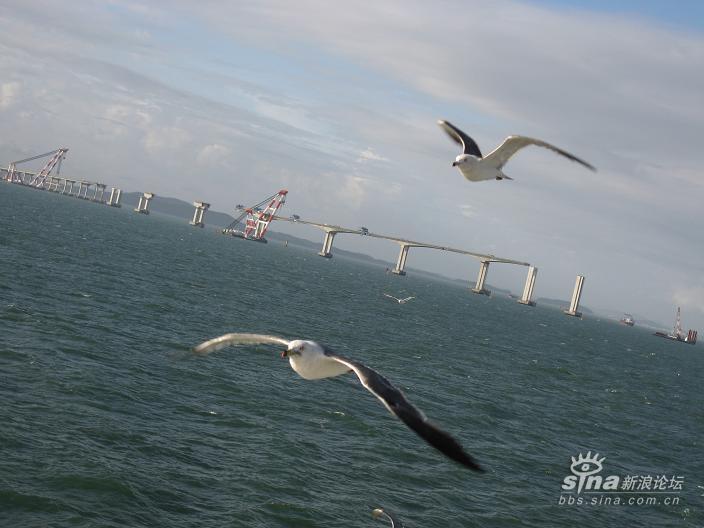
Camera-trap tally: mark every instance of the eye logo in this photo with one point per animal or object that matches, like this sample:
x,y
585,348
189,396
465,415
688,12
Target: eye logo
x,y
583,466
584,474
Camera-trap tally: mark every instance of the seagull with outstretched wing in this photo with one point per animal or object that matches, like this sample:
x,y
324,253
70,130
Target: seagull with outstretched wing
x,y
379,513
400,301
476,167
311,360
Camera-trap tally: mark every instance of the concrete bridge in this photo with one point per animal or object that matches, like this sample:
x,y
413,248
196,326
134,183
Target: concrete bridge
x,y
85,190
405,245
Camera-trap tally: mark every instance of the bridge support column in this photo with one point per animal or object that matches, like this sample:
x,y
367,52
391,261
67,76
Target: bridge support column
x,y
401,261
327,244
576,295
115,195
527,297
99,188
143,205
83,194
479,286
201,208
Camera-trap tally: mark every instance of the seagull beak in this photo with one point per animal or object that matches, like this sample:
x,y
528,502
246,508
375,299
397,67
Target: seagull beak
x,y
284,353
454,164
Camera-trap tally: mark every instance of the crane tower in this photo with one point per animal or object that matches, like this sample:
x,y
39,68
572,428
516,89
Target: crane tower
x,y
40,178
254,221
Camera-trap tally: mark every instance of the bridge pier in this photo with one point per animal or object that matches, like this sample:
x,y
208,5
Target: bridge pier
x,y
143,205
327,244
201,208
115,195
576,295
479,286
83,194
99,188
400,268
527,297
53,184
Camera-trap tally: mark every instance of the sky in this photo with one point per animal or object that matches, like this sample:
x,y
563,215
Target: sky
x,y
228,102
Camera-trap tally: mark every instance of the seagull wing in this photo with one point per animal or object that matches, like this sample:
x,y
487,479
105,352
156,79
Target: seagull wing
x,y
512,144
238,339
468,144
395,523
407,299
396,402
390,296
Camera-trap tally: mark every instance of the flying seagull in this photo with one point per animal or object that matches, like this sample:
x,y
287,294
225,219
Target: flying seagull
x,y
311,360
476,167
378,513
400,301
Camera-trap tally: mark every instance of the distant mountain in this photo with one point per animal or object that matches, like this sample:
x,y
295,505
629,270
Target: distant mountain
x,y
176,207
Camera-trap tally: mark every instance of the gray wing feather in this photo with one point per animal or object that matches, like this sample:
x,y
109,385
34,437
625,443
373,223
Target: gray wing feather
x,y
395,401
237,339
512,144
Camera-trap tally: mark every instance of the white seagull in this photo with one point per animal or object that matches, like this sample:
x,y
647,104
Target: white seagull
x,y
400,301
476,167
311,360
378,513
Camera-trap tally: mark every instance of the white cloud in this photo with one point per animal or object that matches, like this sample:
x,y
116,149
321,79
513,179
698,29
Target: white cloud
x,y
213,154
9,92
368,154
164,140
468,211
690,297
353,191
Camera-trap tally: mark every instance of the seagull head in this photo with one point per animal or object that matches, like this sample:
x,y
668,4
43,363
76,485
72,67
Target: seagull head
x,y
461,160
300,347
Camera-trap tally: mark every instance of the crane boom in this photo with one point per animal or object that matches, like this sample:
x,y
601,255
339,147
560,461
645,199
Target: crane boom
x,y
252,224
57,157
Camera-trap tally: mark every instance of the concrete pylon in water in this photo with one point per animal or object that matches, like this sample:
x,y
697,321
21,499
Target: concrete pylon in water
x,y
576,295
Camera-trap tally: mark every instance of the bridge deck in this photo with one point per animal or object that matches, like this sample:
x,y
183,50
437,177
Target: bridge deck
x,y
405,242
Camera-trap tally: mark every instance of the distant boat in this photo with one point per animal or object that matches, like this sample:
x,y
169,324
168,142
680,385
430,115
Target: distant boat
x,y
627,319
677,333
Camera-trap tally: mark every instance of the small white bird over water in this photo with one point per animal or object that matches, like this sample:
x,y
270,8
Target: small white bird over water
x,y
378,513
400,301
474,167
312,361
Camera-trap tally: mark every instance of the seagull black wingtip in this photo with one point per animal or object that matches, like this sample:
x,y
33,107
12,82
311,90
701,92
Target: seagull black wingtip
x,y
472,464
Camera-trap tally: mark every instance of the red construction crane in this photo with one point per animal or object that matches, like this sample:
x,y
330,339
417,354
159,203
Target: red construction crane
x,y
57,157
253,223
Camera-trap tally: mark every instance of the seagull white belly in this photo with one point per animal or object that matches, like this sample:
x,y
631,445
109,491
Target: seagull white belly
x,y
317,367
479,172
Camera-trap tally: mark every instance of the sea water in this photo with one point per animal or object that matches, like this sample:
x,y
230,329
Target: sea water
x,y
108,419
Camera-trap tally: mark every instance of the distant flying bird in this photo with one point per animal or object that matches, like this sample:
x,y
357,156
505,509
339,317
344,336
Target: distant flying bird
x,y
474,167
400,301
378,513
311,360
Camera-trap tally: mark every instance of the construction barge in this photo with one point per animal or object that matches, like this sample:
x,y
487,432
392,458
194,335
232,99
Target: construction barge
x,y
677,333
254,221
